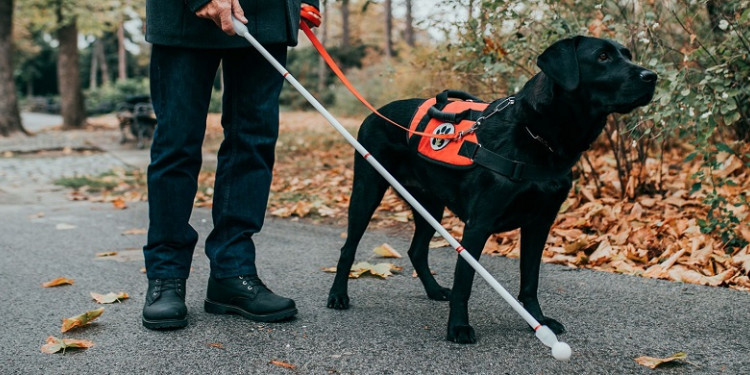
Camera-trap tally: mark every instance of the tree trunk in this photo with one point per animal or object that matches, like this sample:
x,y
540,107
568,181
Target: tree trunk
x,y
101,57
68,74
322,69
409,33
388,29
94,66
10,118
122,57
345,24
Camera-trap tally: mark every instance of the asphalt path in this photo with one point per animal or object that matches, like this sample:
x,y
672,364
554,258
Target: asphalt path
x,y
392,328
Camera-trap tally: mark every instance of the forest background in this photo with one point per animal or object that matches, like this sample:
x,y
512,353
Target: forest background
x,y
662,193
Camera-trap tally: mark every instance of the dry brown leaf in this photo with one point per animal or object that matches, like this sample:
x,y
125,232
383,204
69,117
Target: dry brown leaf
x,y
683,274
603,253
216,345
283,364
119,203
382,270
109,297
135,231
55,345
57,282
652,362
386,251
103,254
80,320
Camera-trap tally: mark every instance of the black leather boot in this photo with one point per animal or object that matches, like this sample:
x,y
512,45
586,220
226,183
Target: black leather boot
x,y
249,297
165,304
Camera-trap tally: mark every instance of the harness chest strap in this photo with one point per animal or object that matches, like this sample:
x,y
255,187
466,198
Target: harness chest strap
x,y
515,170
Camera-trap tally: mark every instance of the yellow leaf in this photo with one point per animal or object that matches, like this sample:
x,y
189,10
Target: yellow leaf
x,y
106,254
109,297
54,344
57,282
386,251
80,320
653,363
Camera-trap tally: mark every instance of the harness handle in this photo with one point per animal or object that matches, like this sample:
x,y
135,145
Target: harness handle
x,y
442,98
453,117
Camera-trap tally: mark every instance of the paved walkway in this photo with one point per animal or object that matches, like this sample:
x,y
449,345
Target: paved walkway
x,y
392,327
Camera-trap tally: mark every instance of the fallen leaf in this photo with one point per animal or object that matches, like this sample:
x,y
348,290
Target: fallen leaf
x,y
603,253
106,254
109,297
135,231
80,320
54,345
653,363
282,364
64,226
57,282
386,251
381,269
119,203
216,345
37,215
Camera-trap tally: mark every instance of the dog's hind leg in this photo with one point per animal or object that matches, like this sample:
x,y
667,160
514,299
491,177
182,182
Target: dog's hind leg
x,y
533,238
367,192
419,249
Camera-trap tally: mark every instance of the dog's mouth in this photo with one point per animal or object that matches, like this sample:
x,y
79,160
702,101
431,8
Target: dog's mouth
x,y
638,102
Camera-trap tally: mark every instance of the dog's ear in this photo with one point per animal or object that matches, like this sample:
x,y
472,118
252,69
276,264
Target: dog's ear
x,y
560,62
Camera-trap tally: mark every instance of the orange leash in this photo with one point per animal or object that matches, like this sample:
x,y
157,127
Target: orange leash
x,y
332,64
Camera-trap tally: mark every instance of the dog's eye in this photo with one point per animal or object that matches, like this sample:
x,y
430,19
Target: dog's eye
x,y
603,57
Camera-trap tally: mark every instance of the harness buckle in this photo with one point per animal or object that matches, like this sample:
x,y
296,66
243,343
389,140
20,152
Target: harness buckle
x,y
517,172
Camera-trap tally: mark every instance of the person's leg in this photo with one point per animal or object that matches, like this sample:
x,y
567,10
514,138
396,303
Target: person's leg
x,y
250,118
181,82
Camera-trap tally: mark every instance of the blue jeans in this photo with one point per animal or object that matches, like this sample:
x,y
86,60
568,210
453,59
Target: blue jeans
x,y
181,83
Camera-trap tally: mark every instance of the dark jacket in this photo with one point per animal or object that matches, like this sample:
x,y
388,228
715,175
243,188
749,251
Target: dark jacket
x,y
174,23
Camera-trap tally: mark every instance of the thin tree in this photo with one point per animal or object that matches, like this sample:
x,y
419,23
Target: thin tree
x,y
322,69
10,118
122,59
388,29
409,31
345,38
68,70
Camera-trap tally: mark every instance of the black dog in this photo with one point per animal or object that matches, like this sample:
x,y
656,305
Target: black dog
x,y
554,118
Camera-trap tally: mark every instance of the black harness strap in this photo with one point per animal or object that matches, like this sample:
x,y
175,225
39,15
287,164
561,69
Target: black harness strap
x,y
514,170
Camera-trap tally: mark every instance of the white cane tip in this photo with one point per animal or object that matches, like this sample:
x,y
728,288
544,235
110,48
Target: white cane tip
x,y
561,351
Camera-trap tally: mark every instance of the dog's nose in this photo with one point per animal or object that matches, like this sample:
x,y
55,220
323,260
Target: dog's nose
x,y
648,76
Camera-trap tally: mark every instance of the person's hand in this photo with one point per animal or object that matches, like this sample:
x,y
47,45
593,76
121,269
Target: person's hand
x,y
310,15
221,12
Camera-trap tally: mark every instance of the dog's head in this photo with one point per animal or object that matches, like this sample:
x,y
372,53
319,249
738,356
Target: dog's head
x,y
600,71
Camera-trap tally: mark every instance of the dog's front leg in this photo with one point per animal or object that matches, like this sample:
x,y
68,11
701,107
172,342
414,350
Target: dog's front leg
x,y
459,329
533,238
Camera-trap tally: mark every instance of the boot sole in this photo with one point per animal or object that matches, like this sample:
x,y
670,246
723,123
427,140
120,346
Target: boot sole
x,y
165,324
212,307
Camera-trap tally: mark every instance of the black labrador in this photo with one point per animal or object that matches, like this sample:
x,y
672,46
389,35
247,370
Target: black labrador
x,y
554,118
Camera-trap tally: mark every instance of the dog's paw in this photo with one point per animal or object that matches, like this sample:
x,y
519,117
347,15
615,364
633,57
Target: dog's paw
x,y
554,325
439,294
338,302
462,334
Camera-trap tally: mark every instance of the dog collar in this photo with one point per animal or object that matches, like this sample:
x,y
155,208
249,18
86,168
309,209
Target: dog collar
x,y
539,139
